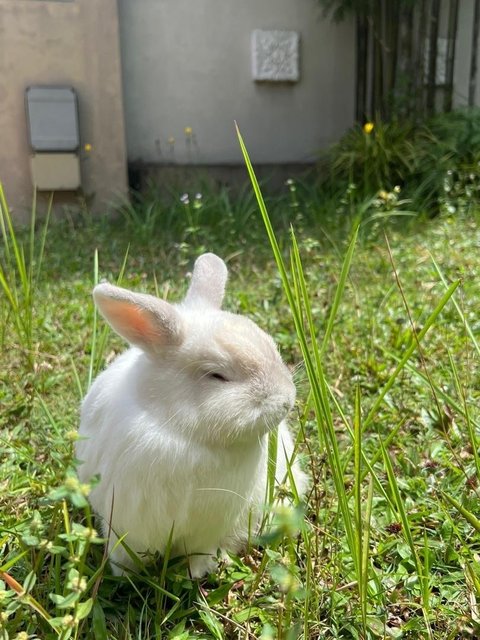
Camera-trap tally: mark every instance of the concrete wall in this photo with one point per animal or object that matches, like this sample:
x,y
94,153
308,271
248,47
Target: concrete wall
x,y
186,63
463,54
73,43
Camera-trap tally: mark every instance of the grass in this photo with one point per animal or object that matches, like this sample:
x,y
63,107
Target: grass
x,y
383,314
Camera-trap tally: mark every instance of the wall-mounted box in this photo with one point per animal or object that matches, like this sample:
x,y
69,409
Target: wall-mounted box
x,y
55,171
52,114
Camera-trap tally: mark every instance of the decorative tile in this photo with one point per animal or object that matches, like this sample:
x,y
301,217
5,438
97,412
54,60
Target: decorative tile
x,y
275,55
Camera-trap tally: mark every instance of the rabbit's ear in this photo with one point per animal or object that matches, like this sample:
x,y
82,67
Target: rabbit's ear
x,y
208,281
143,320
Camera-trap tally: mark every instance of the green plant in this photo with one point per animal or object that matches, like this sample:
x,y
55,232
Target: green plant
x,y
373,157
447,172
20,273
436,164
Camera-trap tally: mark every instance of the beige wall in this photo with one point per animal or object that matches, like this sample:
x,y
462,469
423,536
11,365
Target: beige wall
x,y
73,43
186,63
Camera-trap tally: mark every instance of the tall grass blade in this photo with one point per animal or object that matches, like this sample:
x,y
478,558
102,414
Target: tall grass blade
x,y
468,515
409,352
271,466
93,351
99,341
19,277
422,575
43,240
312,358
368,464
340,287
357,431
472,436
439,390
463,318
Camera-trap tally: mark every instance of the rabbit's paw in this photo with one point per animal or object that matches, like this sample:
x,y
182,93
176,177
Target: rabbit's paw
x,y
201,564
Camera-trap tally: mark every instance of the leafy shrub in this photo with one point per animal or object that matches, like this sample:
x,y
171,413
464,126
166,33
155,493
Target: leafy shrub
x,y
435,163
374,157
447,156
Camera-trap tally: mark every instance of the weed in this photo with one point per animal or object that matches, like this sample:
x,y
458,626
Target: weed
x,y
19,276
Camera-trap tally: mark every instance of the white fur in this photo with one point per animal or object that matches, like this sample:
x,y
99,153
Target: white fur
x,y
176,447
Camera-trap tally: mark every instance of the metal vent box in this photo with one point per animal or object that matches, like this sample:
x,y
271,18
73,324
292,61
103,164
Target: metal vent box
x,y
52,114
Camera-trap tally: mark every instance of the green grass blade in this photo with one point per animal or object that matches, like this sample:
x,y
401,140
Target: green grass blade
x,y
409,352
440,392
43,240
93,352
100,338
312,360
400,509
321,394
340,288
464,320
31,238
4,212
357,490
472,436
271,466
468,515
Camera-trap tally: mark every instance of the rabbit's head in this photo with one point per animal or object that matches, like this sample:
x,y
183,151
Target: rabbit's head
x,y
214,374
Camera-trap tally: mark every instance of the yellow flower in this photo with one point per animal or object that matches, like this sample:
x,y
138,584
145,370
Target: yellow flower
x,y
368,127
85,489
188,131
87,147
72,483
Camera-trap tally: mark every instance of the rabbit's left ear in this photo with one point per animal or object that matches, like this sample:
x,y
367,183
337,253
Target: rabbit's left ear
x,y
143,320
208,281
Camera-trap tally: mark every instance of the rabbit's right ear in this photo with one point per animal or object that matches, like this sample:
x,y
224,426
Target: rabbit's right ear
x,y
144,321
208,281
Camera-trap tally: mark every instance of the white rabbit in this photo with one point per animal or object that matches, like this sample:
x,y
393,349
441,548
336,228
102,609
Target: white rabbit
x,y
177,425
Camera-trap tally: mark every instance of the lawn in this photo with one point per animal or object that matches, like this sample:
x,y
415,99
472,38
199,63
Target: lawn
x,y
382,327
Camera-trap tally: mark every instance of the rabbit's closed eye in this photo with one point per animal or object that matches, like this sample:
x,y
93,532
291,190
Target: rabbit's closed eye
x,y
215,375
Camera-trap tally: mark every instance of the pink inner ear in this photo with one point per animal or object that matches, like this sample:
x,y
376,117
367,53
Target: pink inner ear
x,y
132,322
139,323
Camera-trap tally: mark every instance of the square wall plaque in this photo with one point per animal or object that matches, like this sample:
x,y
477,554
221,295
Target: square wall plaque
x,y
275,55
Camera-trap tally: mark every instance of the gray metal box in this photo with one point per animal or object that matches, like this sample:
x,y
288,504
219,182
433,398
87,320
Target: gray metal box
x,y
52,114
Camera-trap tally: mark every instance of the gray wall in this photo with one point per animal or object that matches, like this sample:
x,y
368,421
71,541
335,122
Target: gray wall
x,y
463,54
186,63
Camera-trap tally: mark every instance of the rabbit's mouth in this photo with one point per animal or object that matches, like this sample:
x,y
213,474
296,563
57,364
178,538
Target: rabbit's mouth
x,y
267,415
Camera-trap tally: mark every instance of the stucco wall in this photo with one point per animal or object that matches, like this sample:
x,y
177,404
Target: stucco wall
x,y
187,64
73,43
463,55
